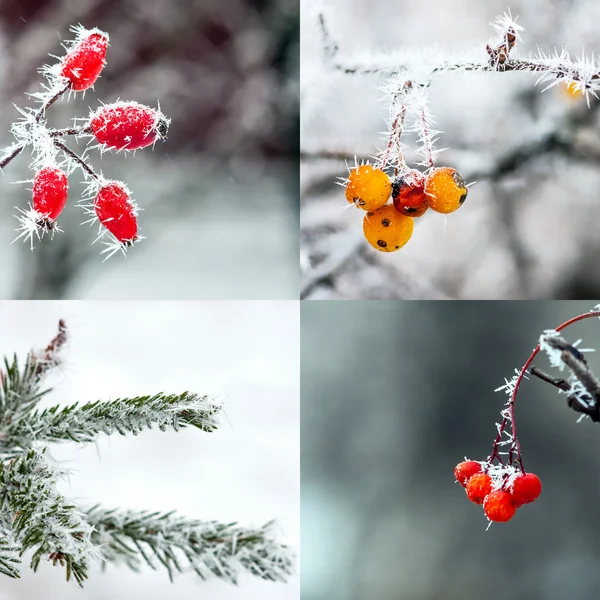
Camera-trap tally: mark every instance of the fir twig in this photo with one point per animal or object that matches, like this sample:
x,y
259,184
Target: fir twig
x,y
83,423
211,549
42,519
9,555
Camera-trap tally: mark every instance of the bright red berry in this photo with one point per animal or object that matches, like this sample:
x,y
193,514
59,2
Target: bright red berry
x,y
50,189
526,488
85,59
408,193
117,212
499,506
465,470
478,487
128,125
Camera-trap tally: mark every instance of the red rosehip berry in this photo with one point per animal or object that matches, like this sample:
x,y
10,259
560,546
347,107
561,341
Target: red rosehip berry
x,y
478,487
465,470
526,488
85,59
408,194
117,212
128,125
499,506
50,189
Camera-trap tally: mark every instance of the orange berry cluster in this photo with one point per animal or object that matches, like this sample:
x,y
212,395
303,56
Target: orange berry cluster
x,y
388,227
500,495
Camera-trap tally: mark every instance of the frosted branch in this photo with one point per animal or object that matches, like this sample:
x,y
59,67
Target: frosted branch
x,y
83,423
210,549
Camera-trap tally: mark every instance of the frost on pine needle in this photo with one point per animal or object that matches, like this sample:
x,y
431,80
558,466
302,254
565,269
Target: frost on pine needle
x,y
210,549
118,126
35,517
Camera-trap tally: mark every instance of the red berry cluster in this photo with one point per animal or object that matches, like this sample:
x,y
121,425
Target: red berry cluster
x,y
119,126
500,489
388,227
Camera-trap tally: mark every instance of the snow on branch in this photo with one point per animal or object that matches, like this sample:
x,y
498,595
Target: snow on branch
x,y
210,549
83,423
42,519
35,516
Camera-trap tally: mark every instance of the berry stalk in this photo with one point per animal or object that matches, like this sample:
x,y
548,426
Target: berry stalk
x,y
516,446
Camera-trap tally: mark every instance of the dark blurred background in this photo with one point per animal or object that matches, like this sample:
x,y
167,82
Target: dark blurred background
x,y
220,196
394,395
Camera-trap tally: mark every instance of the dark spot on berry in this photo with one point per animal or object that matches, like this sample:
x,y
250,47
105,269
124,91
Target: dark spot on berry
x,y
458,180
397,247
463,198
358,201
385,222
45,224
162,128
370,214
381,244
410,209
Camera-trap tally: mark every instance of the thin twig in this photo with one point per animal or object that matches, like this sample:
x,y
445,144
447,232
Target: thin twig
x,y
78,159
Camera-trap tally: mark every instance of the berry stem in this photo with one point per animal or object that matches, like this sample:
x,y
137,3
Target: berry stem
x,y
70,131
41,113
38,117
427,139
394,139
516,444
78,159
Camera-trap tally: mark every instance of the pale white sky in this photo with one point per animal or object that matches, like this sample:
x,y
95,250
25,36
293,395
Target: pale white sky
x,y
246,353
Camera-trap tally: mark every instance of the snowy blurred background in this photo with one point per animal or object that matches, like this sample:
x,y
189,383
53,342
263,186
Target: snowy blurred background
x,y
220,197
247,471
529,228
393,397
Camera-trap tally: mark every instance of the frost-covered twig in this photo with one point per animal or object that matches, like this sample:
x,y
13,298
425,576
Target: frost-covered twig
x,y
121,126
41,518
582,387
9,555
83,423
211,549
35,516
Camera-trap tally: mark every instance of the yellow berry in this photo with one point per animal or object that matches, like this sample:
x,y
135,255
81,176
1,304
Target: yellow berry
x,y
445,190
386,229
369,188
572,90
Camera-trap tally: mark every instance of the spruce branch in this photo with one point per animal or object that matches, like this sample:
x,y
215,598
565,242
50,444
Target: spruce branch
x,y
210,549
83,423
41,517
9,555
35,516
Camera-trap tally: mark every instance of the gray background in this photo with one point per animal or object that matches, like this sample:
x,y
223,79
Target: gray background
x,y
219,197
247,354
528,230
394,395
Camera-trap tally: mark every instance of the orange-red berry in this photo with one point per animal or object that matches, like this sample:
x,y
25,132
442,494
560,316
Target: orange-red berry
x,y
116,211
50,189
526,488
128,125
478,487
499,506
465,470
85,59
386,229
368,188
445,190
408,194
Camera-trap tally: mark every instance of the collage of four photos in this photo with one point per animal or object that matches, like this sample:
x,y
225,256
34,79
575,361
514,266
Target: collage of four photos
x,y
300,299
